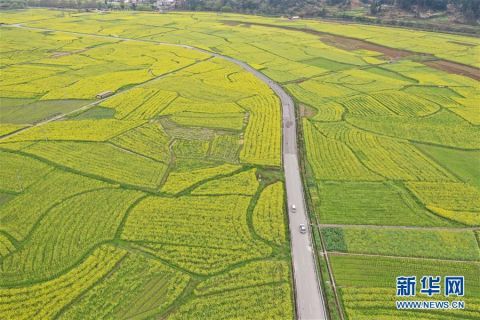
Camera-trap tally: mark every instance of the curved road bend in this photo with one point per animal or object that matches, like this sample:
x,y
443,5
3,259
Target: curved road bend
x,y
309,298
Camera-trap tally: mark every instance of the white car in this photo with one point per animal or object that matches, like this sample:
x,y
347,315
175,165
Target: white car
x,y
294,208
303,229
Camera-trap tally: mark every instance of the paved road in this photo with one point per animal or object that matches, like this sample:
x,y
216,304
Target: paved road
x,y
309,299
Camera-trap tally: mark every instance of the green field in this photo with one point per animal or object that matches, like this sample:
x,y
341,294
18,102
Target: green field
x,y
166,199
152,194
366,290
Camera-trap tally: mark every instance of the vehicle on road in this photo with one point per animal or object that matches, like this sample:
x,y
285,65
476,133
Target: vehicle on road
x,y
104,94
294,208
303,229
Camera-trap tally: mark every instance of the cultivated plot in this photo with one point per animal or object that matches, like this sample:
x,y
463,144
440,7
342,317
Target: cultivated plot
x,y
161,198
390,136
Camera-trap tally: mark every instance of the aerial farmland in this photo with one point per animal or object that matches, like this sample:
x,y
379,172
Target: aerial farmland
x,y
144,168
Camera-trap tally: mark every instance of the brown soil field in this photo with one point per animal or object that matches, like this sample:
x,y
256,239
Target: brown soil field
x,y
348,43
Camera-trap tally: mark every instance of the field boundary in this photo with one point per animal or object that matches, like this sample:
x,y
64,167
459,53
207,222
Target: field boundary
x,y
276,89
372,226
338,253
322,251
433,61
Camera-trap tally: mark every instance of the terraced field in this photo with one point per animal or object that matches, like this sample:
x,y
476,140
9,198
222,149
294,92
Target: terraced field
x,y
164,199
183,163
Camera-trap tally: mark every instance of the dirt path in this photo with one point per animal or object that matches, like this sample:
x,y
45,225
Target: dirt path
x,y
337,253
369,226
309,297
349,43
92,104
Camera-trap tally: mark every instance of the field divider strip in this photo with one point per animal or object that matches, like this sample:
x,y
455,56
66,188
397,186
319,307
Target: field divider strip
x,y
63,271
126,214
10,238
142,246
78,297
135,152
320,252
338,253
390,52
97,102
113,182
39,220
371,226
267,284
306,307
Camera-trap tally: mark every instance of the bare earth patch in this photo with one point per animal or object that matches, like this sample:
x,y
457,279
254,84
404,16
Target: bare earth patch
x,y
455,68
65,53
355,44
348,43
307,112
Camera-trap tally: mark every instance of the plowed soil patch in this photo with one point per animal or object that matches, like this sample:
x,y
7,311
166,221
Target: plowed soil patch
x,y
348,43
455,68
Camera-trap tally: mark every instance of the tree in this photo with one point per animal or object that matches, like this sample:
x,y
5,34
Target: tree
x,y
422,4
375,7
12,4
469,8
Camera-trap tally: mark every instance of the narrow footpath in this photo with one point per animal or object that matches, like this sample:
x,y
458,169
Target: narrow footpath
x,y
310,304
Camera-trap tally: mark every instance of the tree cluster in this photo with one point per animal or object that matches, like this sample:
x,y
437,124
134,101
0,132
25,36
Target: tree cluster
x,y
469,9
76,4
305,8
423,4
13,4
